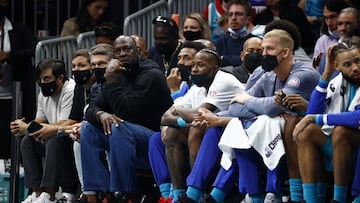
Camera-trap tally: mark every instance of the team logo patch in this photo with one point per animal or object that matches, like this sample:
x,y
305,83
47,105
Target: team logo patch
x,y
294,82
213,93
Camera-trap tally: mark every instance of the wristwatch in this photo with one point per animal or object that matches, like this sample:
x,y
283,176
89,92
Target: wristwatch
x,y
60,132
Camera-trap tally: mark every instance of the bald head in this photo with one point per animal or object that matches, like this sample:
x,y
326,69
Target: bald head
x,y
141,45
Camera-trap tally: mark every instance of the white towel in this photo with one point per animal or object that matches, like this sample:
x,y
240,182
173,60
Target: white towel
x,y
265,135
233,137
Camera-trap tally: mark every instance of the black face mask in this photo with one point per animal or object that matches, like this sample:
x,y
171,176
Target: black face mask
x,y
200,80
165,49
49,88
268,62
81,77
190,35
252,61
99,75
184,71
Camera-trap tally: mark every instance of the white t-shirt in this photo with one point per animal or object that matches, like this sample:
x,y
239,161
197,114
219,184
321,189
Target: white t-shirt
x,y
224,87
55,108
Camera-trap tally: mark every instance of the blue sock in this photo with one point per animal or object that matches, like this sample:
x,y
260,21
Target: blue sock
x,y
193,193
321,192
295,185
357,199
217,194
340,193
258,198
177,194
165,189
309,192
171,194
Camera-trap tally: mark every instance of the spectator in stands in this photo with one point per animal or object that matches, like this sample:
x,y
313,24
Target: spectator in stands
x,y
209,153
179,83
212,13
328,135
167,44
314,13
251,51
348,18
230,44
54,106
16,52
194,27
141,46
129,107
285,9
207,43
106,32
84,79
100,56
329,30
91,14
213,90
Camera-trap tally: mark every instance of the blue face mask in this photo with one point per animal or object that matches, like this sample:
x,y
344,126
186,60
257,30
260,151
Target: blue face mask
x,y
238,33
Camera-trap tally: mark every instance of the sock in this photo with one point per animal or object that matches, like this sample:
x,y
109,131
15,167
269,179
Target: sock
x,y
321,192
165,189
217,194
258,198
295,185
177,194
340,193
171,194
309,190
193,193
357,199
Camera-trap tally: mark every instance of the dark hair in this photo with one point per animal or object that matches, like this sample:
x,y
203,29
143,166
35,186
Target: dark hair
x,y
83,17
57,67
335,5
287,26
164,22
107,29
245,3
212,53
193,45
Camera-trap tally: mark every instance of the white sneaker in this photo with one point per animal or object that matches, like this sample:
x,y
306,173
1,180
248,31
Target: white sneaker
x,y
67,198
271,198
247,199
44,198
30,198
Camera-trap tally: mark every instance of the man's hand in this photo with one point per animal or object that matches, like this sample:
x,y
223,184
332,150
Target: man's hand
x,y
107,119
241,98
294,102
205,119
301,125
18,127
174,80
74,132
113,71
3,56
329,65
45,133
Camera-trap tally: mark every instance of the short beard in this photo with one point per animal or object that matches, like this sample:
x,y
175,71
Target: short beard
x,y
350,80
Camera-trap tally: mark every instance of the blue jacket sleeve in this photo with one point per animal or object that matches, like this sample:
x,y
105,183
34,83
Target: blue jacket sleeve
x,y
317,104
348,119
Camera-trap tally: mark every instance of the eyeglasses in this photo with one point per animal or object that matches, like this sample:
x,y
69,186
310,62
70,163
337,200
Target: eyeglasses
x,y
237,14
162,20
103,30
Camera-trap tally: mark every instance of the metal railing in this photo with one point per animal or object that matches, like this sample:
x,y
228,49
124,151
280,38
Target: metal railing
x,y
86,40
184,7
139,23
60,48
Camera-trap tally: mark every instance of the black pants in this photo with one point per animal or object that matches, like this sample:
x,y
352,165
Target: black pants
x,y
49,165
5,134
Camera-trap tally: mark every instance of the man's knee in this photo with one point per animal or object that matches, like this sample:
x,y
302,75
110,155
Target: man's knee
x,y
173,136
310,134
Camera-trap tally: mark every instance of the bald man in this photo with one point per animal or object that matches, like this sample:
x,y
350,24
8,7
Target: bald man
x,y
141,45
